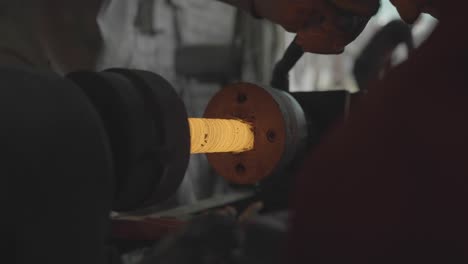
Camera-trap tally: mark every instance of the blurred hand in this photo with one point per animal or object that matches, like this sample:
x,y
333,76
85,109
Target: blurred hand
x,y
245,216
333,24
366,8
249,213
411,9
293,15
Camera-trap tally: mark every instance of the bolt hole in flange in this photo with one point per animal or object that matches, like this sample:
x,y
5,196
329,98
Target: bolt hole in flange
x,y
241,98
240,168
271,136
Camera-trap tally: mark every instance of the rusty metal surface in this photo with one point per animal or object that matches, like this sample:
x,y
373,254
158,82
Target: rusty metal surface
x,y
279,128
255,105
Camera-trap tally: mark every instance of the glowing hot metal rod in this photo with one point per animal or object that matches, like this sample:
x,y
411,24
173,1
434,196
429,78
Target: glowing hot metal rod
x,y
220,136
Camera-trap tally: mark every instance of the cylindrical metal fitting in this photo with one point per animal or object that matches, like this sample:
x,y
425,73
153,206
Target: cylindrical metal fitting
x,y
279,126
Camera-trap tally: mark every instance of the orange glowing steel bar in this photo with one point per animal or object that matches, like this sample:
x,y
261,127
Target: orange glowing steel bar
x,y
220,135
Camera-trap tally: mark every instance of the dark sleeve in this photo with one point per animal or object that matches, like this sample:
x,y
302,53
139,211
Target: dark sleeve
x,y
390,186
246,5
55,169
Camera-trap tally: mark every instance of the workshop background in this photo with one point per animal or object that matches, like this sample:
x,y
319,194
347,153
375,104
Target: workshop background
x,y
190,43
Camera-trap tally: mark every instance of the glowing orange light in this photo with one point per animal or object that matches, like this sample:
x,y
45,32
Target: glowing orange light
x,y
220,135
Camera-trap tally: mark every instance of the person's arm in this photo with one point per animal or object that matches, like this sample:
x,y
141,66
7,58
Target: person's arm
x,y
322,26
246,5
292,15
410,10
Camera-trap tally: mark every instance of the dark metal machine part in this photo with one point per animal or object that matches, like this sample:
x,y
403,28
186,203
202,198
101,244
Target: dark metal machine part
x,y
322,110
148,129
146,123
296,121
280,79
174,151
279,126
296,127
56,171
